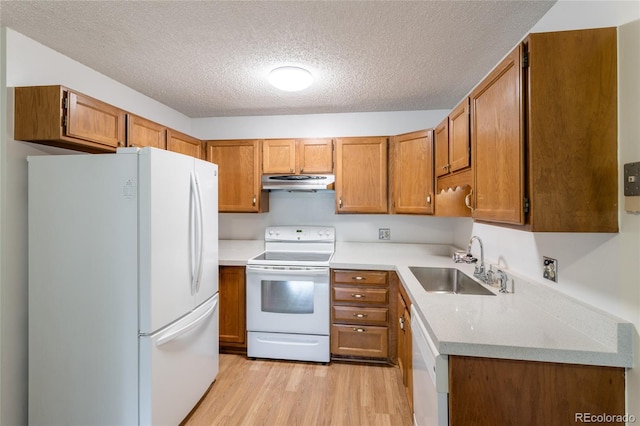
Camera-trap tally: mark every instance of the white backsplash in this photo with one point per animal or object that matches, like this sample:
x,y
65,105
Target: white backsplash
x,y
302,208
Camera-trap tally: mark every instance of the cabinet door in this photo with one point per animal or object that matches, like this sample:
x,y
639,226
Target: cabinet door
x,y
361,175
232,305
89,119
314,156
238,175
412,173
497,142
184,144
459,141
142,132
441,148
279,156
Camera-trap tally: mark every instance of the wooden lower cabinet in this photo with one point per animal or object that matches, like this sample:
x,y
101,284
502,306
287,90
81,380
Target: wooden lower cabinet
x,y
488,391
233,328
360,315
404,342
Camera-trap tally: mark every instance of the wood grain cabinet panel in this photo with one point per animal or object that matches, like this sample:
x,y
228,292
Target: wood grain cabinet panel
x,y
314,156
58,116
498,146
454,179
278,156
361,175
556,170
298,156
404,342
142,132
239,171
488,391
232,287
184,144
361,311
411,173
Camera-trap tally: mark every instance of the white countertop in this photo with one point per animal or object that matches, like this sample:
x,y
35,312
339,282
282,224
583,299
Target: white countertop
x,y
532,323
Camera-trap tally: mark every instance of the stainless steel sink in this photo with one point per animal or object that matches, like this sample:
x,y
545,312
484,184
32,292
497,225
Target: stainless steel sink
x,y
448,280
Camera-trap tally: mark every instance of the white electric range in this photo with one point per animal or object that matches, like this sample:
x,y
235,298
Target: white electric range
x,y
288,313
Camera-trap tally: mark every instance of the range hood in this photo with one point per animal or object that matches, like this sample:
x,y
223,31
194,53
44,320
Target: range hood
x,y
298,182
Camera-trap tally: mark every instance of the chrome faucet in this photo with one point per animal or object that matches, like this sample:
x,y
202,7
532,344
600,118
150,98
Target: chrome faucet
x,y
480,271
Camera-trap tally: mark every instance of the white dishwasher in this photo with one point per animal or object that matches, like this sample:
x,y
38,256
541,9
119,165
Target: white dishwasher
x,y
430,378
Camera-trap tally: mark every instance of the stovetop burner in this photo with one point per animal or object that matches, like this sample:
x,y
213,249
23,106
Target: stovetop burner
x,y
297,246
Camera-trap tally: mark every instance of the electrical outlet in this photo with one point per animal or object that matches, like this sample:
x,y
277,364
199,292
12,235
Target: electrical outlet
x,y
384,234
550,268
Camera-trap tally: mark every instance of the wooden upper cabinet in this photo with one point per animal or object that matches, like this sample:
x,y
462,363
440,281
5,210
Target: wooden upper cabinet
x,y
278,156
314,156
58,116
569,142
142,132
452,141
184,144
299,156
361,175
239,185
411,173
498,145
572,139
459,140
441,148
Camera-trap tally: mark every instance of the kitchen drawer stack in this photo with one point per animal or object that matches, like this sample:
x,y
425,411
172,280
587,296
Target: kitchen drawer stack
x,y
360,314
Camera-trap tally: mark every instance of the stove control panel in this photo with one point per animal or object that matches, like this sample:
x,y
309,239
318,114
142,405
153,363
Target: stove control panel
x,y
300,233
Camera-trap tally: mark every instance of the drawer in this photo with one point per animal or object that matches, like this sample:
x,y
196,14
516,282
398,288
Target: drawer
x,y
360,341
360,277
360,315
360,295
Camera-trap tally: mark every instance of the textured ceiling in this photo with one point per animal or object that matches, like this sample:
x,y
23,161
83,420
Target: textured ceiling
x,y
211,58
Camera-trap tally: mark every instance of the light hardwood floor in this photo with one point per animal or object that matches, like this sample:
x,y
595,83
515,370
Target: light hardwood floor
x,y
280,393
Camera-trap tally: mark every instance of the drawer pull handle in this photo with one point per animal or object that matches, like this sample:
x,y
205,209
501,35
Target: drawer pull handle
x,y
358,296
359,330
358,278
360,315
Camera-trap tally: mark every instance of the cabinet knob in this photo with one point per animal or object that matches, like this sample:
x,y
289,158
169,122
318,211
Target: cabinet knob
x,y
340,202
401,321
301,169
360,315
358,278
429,199
254,200
358,296
359,330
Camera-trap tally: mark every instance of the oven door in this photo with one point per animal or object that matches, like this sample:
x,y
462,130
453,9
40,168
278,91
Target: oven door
x,y
288,299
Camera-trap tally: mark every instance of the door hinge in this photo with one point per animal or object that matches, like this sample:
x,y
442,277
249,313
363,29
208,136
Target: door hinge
x,y
525,60
526,205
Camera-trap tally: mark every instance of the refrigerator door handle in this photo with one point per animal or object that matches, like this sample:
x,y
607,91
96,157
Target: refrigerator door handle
x,y
193,232
200,233
174,334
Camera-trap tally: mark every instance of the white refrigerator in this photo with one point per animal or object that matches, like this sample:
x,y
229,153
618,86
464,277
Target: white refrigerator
x,y
123,287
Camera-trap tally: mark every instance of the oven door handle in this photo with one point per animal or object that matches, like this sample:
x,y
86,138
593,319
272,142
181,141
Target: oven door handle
x,y
305,272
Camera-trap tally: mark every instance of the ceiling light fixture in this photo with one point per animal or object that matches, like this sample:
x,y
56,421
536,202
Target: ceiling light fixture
x,y
290,79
